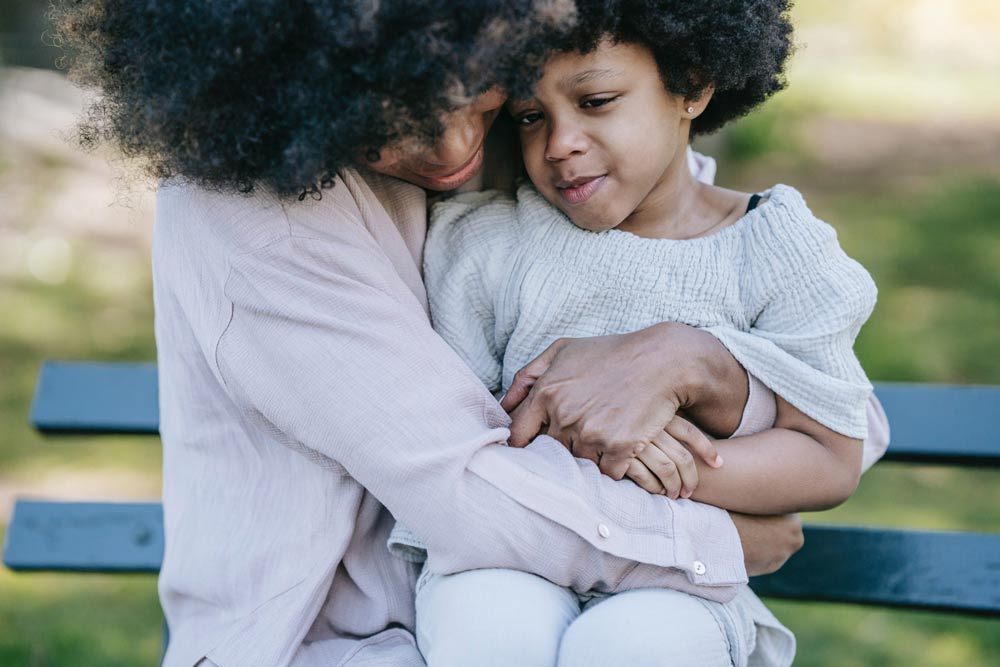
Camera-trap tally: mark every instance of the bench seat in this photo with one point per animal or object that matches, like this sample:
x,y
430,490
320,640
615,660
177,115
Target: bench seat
x,y
84,537
902,568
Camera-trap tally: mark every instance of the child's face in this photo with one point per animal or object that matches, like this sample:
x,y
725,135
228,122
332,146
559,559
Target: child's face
x,y
602,137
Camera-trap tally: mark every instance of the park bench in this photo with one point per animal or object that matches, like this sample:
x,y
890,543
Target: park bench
x,y
931,424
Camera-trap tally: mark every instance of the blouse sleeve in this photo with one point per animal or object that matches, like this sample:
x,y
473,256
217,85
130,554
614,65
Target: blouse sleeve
x,y
465,261
812,301
330,353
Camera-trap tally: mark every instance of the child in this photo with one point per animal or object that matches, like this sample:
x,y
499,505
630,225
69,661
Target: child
x,y
614,235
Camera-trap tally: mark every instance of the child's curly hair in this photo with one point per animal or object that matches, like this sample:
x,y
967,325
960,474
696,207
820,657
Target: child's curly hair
x,y
739,46
233,94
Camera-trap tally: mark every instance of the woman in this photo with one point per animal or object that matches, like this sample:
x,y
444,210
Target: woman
x,y
305,400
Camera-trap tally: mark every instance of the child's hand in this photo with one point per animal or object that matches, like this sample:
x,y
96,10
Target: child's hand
x,y
669,467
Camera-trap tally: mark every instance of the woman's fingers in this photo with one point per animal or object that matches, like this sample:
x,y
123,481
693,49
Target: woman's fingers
x,y
615,464
526,421
694,440
519,389
525,378
639,473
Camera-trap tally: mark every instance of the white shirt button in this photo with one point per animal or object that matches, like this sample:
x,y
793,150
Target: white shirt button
x,y
603,530
699,567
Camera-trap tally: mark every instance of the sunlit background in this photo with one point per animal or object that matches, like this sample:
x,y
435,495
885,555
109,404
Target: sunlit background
x,y
890,127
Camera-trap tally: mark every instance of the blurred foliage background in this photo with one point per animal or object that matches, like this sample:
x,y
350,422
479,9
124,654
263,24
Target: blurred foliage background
x,y
890,126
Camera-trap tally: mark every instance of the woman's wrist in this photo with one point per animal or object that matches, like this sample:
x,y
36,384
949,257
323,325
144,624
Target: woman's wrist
x,y
767,541
707,381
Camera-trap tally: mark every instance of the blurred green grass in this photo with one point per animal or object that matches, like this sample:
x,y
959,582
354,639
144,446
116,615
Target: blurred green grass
x,y
54,619
925,221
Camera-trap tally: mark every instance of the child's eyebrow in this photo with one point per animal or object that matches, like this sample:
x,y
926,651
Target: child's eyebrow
x,y
589,75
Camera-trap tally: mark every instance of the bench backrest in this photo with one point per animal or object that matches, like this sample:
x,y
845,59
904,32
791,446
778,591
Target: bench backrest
x,y
956,425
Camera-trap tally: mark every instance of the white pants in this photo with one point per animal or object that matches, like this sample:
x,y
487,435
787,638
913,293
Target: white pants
x,y
514,619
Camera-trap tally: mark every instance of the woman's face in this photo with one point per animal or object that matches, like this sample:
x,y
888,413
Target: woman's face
x,y
455,158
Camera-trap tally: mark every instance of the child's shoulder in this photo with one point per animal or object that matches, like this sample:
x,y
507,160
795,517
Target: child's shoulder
x,y
472,212
479,204
789,244
471,227
489,209
783,222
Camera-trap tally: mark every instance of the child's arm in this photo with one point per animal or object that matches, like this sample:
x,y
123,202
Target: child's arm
x,y
799,465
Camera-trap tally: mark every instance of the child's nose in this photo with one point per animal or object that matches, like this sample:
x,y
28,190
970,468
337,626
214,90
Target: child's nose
x,y
565,140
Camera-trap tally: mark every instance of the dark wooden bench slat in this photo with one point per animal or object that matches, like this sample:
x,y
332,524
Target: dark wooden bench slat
x,y
958,572
948,571
930,423
86,397
942,423
84,537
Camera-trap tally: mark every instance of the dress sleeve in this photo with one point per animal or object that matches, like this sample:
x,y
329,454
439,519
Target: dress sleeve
x,y
332,355
811,301
465,261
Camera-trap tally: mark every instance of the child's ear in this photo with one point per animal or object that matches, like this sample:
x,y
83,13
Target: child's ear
x,y
695,105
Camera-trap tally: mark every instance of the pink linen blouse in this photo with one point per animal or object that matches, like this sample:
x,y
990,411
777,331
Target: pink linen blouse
x,y
306,403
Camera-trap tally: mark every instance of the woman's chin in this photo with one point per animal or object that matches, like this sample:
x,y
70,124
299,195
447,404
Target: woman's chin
x,y
445,182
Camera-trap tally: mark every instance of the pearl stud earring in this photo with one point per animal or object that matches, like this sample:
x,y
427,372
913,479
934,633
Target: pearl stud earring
x,y
690,109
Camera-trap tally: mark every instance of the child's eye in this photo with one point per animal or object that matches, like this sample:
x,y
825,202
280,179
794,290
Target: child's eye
x,y
594,102
528,118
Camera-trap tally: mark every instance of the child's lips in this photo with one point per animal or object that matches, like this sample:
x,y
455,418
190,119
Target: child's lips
x,y
578,190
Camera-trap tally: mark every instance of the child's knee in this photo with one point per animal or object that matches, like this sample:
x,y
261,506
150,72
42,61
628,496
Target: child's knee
x,y
656,628
492,617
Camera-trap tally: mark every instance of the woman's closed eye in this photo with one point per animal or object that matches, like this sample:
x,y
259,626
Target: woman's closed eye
x,y
598,102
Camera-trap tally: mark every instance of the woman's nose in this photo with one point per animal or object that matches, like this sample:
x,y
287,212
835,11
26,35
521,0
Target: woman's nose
x,y
564,140
459,142
462,137
466,128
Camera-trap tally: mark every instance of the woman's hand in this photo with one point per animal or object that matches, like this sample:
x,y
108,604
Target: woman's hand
x,y
608,398
668,467
768,541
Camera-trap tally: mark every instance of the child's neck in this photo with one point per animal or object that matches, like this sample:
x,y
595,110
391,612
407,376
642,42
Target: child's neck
x,y
681,207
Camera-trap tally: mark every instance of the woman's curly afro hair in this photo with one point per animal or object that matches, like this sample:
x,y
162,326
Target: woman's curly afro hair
x,y
738,46
236,94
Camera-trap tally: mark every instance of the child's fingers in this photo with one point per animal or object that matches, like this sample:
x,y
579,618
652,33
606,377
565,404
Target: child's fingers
x,y
695,440
672,465
641,475
682,460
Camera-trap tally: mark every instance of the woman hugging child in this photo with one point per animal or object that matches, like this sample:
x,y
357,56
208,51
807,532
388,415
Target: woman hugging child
x,y
615,234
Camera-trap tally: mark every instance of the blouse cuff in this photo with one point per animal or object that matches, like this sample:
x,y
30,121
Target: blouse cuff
x,y
760,411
